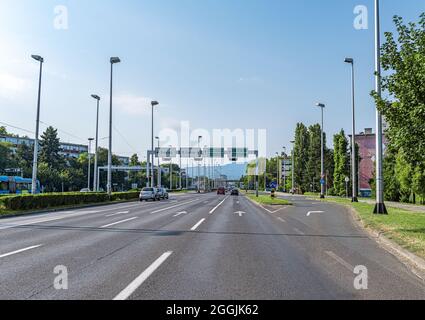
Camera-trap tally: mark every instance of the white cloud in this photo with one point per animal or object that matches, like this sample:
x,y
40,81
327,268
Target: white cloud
x,y
132,104
11,86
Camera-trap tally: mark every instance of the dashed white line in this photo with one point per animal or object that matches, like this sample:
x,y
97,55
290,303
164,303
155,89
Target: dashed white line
x,y
19,251
178,205
180,213
282,220
299,231
340,260
118,213
311,212
197,225
119,222
213,210
132,287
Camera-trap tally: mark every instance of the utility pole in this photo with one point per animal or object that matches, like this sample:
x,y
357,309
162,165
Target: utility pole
x,y
89,168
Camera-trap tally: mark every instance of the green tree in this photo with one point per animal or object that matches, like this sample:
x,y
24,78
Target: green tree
x,y
6,156
404,108
341,162
301,148
24,157
50,149
314,157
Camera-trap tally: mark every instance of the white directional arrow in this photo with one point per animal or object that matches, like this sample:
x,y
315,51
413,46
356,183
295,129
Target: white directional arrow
x,y
240,213
310,212
180,213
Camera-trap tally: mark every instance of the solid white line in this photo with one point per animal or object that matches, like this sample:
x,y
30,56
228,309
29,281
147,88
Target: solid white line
x,y
213,210
178,205
310,212
118,213
115,223
19,251
340,260
127,292
280,219
197,225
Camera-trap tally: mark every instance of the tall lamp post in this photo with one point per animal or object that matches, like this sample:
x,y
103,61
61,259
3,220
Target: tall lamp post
x,y
353,138
284,169
199,165
113,61
277,169
95,184
322,151
380,207
89,168
159,168
153,104
293,166
37,128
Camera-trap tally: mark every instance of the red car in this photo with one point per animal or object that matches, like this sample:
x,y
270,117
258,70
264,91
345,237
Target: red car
x,y
221,191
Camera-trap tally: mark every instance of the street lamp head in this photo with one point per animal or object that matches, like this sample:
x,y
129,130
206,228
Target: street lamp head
x,y
115,60
91,139
154,103
38,58
321,105
292,141
95,96
349,60
157,138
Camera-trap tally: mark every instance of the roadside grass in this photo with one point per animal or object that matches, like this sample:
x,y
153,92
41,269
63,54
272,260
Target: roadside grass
x,y
268,200
404,227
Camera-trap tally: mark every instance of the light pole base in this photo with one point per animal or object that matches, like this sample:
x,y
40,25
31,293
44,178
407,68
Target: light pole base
x,y
322,196
380,208
354,199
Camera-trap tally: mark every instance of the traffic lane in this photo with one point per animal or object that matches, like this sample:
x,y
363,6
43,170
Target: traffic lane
x,y
340,246
237,257
30,274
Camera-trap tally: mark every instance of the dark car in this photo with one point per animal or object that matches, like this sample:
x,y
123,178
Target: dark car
x,y
221,191
234,192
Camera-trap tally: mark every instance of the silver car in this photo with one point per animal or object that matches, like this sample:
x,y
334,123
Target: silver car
x,y
149,194
163,193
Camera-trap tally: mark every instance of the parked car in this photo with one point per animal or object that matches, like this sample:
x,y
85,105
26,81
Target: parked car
x,y
163,193
149,194
221,191
234,192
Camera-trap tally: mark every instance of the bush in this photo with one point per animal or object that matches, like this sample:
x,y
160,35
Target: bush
x,y
52,200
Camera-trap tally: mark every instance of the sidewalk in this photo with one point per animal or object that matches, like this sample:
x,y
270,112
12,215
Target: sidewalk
x,y
406,206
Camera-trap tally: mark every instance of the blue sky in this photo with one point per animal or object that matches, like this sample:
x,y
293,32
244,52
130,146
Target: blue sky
x,y
259,64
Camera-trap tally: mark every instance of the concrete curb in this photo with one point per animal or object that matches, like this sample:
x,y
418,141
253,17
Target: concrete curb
x,y
413,262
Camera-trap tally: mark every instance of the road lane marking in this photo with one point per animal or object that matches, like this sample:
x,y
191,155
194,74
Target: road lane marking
x,y
132,287
119,222
19,251
213,210
178,205
311,212
280,219
299,231
340,260
180,213
197,225
118,213
240,213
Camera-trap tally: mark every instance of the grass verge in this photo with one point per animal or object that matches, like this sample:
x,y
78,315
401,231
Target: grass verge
x,y
267,200
404,227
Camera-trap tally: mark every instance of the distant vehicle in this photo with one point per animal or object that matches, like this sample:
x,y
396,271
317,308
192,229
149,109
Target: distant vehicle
x,y
234,192
163,193
221,191
149,194
17,185
85,190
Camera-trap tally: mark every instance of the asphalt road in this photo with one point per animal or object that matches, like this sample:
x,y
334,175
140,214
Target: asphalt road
x,y
198,247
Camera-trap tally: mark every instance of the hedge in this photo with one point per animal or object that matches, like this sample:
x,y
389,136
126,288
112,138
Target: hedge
x,y
51,200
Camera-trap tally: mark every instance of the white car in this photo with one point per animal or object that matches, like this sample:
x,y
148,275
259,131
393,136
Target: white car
x,y
149,194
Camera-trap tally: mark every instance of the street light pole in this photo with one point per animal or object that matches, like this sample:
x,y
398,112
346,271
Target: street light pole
x,y
322,151
380,207
153,104
284,169
95,184
353,138
293,167
277,169
159,168
89,169
37,128
109,184
199,165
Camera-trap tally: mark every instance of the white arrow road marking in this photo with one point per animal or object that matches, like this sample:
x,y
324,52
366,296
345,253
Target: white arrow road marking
x,y
115,223
118,213
180,213
19,251
311,212
168,208
197,225
127,292
240,213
